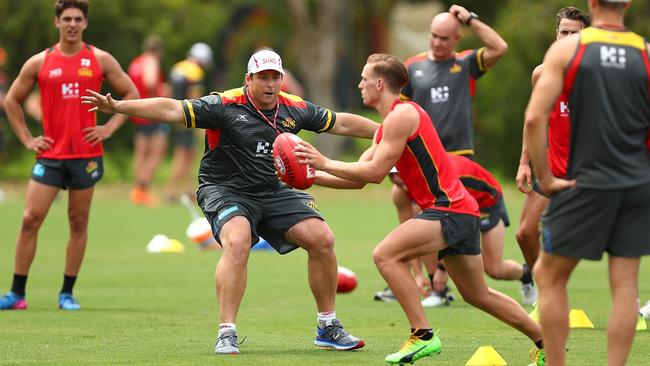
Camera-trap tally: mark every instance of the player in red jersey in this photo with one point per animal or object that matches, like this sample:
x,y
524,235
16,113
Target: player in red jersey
x,y
151,137
69,152
448,222
569,20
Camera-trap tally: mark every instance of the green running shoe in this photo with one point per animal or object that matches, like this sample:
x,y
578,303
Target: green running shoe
x,y
414,349
538,356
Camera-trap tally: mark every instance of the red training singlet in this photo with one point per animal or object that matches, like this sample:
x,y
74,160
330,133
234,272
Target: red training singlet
x,y
61,79
559,129
479,182
427,171
136,73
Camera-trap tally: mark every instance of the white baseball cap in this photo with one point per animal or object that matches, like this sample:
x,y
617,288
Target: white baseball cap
x,y
265,60
202,53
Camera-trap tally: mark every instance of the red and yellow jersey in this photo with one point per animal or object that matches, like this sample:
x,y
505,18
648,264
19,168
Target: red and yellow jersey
x,y
61,80
479,182
559,130
136,73
427,172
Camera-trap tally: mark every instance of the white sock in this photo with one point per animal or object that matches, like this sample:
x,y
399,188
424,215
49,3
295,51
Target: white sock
x,y
325,318
225,326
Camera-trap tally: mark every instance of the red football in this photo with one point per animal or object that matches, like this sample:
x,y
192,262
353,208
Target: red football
x,y
347,280
294,174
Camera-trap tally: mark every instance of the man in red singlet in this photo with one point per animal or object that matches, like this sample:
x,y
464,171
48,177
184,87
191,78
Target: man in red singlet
x,y
448,222
151,137
570,20
69,152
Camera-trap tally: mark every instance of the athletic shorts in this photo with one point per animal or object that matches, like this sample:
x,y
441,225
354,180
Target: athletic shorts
x,y
184,138
461,232
584,223
491,216
69,173
150,129
271,214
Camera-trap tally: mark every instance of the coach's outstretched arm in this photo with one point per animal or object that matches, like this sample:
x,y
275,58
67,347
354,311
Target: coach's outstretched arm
x,y
348,124
160,109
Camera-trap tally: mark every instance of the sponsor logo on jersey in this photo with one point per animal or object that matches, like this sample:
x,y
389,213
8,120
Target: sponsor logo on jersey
x,y
70,90
564,108
417,73
91,167
241,118
85,62
55,73
262,150
455,69
612,57
85,72
289,123
440,94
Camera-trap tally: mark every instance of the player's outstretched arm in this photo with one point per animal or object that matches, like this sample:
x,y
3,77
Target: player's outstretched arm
x,y
348,124
160,109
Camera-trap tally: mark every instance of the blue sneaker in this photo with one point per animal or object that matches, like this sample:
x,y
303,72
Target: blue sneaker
x,y
68,302
11,301
335,337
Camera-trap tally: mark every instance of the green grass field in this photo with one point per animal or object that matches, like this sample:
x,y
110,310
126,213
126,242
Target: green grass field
x,y
160,309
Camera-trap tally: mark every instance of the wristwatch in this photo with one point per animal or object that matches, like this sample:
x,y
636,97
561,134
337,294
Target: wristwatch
x,y
471,17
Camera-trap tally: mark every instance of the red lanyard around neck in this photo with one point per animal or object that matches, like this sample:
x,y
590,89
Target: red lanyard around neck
x,y
275,116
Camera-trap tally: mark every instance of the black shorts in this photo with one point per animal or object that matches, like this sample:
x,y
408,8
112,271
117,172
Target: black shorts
x,y
584,223
69,173
270,213
184,138
461,232
150,129
491,216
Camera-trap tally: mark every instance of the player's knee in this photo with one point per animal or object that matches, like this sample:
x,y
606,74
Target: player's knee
x,y
493,271
527,236
78,224
320,241
31,221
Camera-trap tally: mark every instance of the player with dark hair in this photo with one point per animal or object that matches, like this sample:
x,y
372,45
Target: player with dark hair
x,y
448,222
69,152
240,193
570,20
603,203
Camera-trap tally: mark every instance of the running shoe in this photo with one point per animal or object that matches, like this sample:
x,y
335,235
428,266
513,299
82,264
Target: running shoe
x,y
11,301
385,295
335,337
68,302
645,310
227,343
414,349
538,357
528,293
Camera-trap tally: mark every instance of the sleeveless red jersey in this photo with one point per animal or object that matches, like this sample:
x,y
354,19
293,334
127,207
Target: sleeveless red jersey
x,y
559,129
61,80
136,73
427,171
479,182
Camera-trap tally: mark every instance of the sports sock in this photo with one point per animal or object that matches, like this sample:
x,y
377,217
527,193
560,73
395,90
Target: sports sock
x,y
68,283
424,334
325,318
18,285
527,277
540,344
225,326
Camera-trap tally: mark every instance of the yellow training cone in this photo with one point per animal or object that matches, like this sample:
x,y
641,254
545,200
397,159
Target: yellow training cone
x,y
486,356
578,319
641,324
